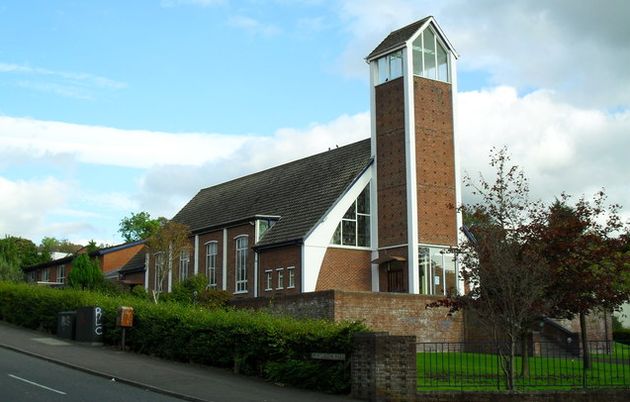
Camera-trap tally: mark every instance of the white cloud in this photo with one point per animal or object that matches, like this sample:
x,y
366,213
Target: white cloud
x,y
32,138
76,78
24,204
165,189
579,51
253,26
561,147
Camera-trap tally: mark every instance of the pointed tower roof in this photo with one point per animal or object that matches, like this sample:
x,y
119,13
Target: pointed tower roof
x,y
397,39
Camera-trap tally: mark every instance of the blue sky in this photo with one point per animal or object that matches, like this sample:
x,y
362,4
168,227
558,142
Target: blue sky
x,y
109,107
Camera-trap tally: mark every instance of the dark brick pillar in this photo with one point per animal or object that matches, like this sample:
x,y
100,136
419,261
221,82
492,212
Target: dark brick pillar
x,y
384,367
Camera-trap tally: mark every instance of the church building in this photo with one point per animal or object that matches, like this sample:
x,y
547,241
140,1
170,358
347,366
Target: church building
x,y
378,215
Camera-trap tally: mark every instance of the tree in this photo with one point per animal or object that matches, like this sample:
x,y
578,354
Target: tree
x,y
85,273
139,226
15,253
48,245
166,244
589,263
506,272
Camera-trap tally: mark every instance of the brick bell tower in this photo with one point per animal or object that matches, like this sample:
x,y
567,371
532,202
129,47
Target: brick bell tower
x,y
417,182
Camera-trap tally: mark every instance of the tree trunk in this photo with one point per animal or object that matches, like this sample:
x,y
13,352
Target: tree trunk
x,y
511,364
586,355
524,357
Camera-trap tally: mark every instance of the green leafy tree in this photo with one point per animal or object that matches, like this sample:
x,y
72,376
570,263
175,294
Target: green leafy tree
x,y
15,253
139,226
166,244
85,273
49,245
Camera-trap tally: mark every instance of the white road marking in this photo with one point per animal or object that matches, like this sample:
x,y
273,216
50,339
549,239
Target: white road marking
x,y
36,384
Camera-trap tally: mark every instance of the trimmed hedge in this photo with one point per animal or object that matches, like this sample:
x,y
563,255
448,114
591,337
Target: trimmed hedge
x,y
255,343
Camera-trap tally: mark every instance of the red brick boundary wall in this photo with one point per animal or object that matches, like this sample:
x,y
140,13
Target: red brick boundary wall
x,y
396,313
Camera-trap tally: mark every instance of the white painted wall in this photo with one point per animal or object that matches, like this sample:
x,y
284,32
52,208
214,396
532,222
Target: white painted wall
x,y
318,240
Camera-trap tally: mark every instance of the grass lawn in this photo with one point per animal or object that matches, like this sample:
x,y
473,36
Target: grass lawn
x,y
481,371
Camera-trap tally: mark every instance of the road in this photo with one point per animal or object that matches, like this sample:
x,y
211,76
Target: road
x,y
25,378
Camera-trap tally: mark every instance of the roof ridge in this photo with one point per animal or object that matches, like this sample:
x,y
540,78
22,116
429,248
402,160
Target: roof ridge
x,y
283,165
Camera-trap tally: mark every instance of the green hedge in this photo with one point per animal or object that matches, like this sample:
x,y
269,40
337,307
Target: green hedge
x,y
255,343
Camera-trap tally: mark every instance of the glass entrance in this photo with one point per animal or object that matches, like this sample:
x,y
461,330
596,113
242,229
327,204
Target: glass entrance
x,y
438,271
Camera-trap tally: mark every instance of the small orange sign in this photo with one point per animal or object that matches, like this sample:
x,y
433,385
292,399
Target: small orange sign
x,y
125,317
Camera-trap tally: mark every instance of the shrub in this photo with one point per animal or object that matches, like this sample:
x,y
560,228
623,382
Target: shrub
x,y
277,348
188,290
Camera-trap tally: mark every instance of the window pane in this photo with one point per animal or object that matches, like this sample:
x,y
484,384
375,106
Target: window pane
x,y
350,213
417,55
363,232
429,54
383,70
349,233
395,65
449,270
442,64
363,202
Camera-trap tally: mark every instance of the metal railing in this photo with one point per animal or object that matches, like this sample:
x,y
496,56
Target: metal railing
x,y
478,366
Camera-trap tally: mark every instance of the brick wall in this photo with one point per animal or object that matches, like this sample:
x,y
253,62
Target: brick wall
x,y
435,162
390,160
398,314
383,367
278,260
345,269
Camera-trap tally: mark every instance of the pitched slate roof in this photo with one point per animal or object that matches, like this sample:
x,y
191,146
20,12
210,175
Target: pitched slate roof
x,y
299,192
397,38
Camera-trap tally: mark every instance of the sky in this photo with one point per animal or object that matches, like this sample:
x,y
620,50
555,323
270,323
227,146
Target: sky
x,y
113,107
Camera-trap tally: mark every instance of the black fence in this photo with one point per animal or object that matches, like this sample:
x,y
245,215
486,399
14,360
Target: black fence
x,y
480,367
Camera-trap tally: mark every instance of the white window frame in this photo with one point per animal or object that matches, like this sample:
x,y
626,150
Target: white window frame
x,y
46,275
280,278
355,219
184,264
429,284
240,266
211,263
291,277
437,41
61,274
268,280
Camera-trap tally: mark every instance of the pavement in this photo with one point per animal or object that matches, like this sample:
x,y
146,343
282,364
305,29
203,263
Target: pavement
x,y
185,381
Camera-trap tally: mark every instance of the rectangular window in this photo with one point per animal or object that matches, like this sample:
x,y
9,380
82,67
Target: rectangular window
x,y
291,274
268,279
429,55
159,271
184,262
280,273
211,264
241,264
390,67
46,275
438,271
61,274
